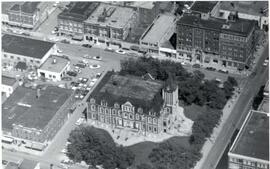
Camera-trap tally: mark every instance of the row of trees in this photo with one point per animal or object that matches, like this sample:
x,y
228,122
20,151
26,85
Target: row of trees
x,y
193,88
96,147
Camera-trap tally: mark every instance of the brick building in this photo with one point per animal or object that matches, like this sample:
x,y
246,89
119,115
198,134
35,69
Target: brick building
x,y
226,43
33,52
28,14
35,116
109,22
250,149
71,20
135,103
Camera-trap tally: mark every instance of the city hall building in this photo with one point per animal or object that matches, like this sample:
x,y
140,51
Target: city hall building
x,y
140,104
33,52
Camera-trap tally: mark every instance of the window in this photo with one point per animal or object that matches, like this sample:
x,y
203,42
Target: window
x,y
114,112
5,55
93,107
54,76
149,120
137,117
12,57
18,58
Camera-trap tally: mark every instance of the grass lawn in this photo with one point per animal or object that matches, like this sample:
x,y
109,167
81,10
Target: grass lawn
x,y
143,150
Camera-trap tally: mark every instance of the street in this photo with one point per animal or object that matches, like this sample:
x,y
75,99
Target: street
x,y
236,117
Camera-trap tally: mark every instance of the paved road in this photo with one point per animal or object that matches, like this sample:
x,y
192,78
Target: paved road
x,y
238,113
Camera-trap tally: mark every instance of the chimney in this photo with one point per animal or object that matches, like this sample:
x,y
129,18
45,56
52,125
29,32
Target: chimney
x,y
54,61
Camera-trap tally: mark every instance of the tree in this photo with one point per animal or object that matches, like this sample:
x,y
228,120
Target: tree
x,y
232,81
144,166
96,147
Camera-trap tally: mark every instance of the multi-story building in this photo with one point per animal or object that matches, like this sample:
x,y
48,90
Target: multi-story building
x,y
71,20
35,116
28,14
250,149
206,9
250,10
135,103
109,22
21,49
215,42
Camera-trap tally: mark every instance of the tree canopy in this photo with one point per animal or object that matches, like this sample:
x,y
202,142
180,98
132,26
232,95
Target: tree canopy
x,y
96,147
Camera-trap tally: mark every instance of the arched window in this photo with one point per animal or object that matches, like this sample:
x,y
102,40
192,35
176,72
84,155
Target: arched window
x,y
92,100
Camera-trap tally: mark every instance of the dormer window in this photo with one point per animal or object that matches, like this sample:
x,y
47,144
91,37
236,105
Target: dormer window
x,y
140,110
103,103
116,105
92,100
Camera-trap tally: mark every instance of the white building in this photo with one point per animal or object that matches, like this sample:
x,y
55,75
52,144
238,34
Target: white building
x,y
54,68
21,49
157,33
8,85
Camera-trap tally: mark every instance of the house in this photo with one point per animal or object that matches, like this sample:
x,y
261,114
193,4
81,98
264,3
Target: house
x,y
55,68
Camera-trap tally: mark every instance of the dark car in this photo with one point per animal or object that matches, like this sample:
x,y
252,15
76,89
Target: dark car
x,y
71,73
196,66
65,41
80,65
211,68
87,45
4,162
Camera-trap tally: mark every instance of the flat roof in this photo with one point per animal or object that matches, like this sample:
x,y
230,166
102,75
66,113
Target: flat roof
x,y
203,6
9,81
142,4
158,29
113,16
24,108
7,5
12,165
78,11
57,66
25,46
115,88
26,7
28,164
239,27
248,7
253,138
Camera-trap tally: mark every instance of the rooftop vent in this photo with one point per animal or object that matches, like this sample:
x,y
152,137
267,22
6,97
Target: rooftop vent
x,y
54,61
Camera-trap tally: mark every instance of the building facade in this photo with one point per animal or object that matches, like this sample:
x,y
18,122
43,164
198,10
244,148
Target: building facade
x,y
122,112
109,22
215,42
71,20
21,49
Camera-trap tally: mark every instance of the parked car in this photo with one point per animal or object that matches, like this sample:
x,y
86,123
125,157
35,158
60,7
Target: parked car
x,y
210,68
265,63
59,51
120,51
71,73
98,75
87,45
67,78
97,57
223,71
80,65
79,121
196,65
109,50
132,54
65,41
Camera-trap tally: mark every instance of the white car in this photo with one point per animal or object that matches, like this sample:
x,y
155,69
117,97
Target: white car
x,y
79,121
94,80
265,63
92,84
120,51
59,51
94,66
266,60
